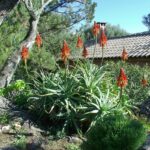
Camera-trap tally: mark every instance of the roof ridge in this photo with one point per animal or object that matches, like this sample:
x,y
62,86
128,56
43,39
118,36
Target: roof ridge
x,y
132,35
125,36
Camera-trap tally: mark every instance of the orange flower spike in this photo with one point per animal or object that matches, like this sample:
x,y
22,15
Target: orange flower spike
x,y
103,39
96,29
124,56
65,51
85,52
38,40
24,54
79,42
122,80
144,82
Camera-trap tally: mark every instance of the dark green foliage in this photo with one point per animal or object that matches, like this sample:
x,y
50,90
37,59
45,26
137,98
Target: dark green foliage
x,y
146,21
13,31
135,91
115,132
115,31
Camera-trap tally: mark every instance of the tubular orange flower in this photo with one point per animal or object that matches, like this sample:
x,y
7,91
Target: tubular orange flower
x,y
24,54
124,56
65,51
144,82
96,29
38,40
122,80
79,42
85,52
103,39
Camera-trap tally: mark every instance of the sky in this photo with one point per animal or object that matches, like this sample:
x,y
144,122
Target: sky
x,y
128,14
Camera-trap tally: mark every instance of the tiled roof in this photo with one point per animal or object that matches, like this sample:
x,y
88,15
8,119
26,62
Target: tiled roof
x,y
137,45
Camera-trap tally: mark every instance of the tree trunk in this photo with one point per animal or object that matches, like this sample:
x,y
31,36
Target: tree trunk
x,y
11,64
5,7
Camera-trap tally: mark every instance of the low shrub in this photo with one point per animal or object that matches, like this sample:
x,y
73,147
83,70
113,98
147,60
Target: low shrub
x,y
115,132
135,91
17,92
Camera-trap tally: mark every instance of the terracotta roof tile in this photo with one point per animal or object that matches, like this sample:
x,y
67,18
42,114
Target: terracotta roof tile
x,y
137,45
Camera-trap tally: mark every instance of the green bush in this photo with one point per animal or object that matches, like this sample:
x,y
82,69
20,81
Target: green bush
x,y
17,92
135,91
115,132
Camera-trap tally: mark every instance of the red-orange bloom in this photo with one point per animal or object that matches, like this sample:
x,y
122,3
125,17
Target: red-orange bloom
x,y
124,56
79,42
103,39
122,80
144,82
85,52
96,29
24,53
38,40
65,51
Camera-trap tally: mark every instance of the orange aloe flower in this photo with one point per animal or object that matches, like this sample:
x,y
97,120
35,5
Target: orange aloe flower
x,y
103,38
65,51
24,54
85,52
124,56
144,82
79,42
38,40
122,80
96,29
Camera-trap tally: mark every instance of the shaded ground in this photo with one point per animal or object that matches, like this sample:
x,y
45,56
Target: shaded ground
x,y
34,139
7,142
25,134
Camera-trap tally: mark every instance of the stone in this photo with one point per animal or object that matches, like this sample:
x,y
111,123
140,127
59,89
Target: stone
x,y
8,148
74,139
3,104
146,145
0,131
17,126
1,126
36,131
6,129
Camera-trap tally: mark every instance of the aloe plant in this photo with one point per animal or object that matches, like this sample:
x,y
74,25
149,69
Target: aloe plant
x,y
75,96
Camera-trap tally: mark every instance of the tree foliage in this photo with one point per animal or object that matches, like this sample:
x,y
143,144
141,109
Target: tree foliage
x,y
13,31
55,24
115,31
146,21
111,31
